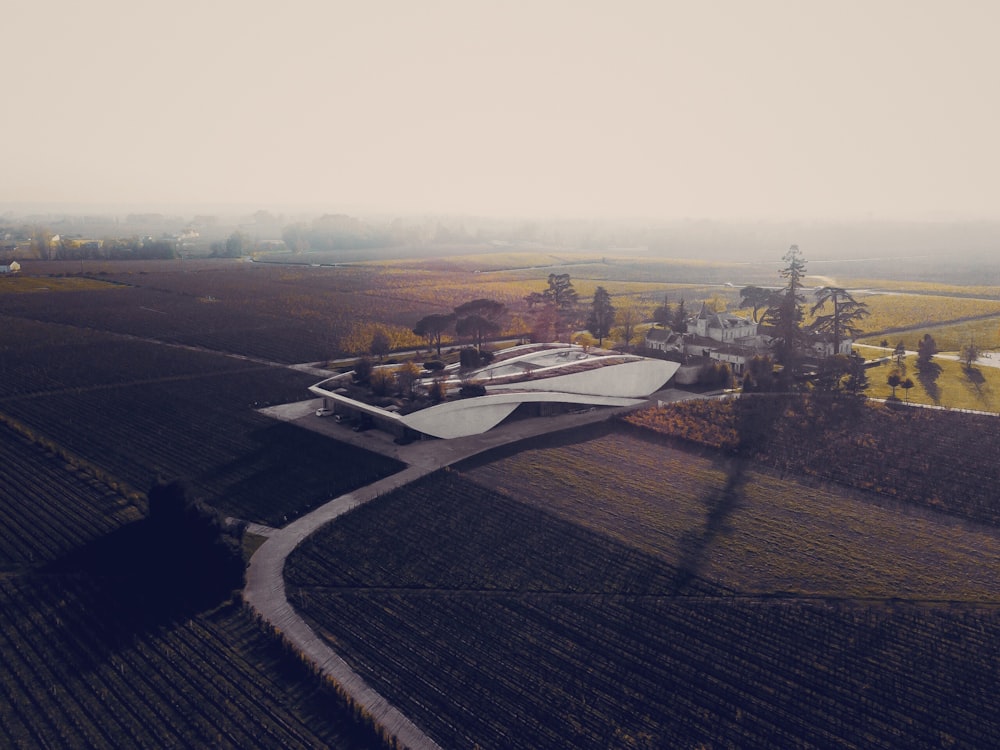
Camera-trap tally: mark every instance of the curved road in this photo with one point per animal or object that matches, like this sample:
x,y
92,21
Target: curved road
x,y
265,592
265,582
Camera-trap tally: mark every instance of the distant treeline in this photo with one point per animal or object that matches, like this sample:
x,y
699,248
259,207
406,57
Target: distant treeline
x,y
117,249
337,232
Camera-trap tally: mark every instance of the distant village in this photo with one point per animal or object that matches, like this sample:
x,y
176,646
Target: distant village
x,y
48,246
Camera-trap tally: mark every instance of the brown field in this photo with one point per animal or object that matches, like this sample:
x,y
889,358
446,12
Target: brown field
x,y
936,459
89,417
140,410
615,592
751,531
82,669
618,591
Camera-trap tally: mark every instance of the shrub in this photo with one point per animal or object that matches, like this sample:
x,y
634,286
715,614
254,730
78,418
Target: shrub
x,y
406,376
382,381
715,374
436,392
363,370
468,358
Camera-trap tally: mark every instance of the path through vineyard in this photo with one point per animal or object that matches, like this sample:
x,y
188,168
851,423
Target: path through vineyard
x,y
265,584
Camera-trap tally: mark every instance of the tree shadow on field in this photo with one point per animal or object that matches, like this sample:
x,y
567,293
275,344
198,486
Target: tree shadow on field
x,y
927,376
695,548
136,584
755,416
181,559
975,381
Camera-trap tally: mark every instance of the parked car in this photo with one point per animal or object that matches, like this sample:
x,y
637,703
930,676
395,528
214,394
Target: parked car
x,y
324,412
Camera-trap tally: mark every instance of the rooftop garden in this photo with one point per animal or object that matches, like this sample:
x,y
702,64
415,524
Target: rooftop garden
x,y
408,387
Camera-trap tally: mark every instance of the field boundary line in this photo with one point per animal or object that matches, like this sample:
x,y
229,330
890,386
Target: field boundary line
x,y
775,597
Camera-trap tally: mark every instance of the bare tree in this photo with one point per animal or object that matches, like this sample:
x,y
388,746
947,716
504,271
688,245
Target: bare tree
x,y
380,344
899,353
969,355
628,316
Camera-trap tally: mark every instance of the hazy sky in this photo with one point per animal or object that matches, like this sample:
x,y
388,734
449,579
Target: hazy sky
x,y
662,109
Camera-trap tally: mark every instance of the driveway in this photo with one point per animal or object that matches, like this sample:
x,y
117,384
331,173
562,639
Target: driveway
x,y
265,582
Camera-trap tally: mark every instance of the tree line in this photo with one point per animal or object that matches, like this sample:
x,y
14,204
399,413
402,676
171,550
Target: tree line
x,y
556,314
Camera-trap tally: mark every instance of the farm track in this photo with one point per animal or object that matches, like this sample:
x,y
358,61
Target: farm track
x,y
265,589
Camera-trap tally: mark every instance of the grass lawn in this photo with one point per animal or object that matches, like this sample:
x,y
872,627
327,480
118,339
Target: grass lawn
x,y
954,386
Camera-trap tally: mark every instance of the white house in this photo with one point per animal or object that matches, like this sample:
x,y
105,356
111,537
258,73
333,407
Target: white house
x,y
724,327
726,338
12,267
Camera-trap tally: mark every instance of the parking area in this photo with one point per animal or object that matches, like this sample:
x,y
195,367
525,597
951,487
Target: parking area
x,y
435,452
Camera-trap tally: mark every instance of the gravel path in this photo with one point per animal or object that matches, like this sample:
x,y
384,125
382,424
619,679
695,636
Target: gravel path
x,y
265,583
265,592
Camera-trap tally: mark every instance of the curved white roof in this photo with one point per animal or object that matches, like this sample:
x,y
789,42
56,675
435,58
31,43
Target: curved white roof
x,y
557,374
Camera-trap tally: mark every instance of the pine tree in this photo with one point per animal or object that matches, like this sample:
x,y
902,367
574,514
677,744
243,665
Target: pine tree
x,y
679,321
664,314
926,350
785,315
602,315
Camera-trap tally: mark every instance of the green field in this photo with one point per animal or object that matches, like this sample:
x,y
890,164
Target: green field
x,y
951,385
907,313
